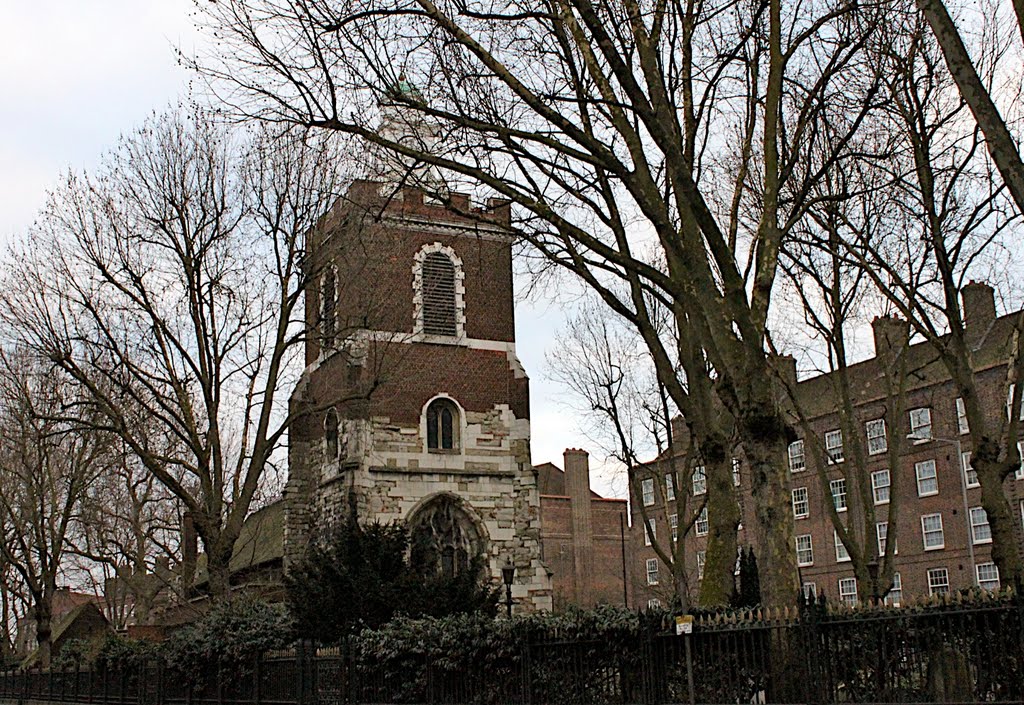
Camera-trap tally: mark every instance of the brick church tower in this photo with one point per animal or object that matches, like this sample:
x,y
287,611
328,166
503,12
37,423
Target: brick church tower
x,y
413,406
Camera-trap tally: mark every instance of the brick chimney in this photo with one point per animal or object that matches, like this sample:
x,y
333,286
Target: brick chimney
x,y
785,365
979,303
891,334
577,484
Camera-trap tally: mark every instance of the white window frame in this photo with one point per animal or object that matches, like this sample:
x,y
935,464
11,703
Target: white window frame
x,y
894,597
670,486
651,534
925,531
993,576
933,477
810,590
736,479
1009,403
702,559
700,526
842,555
848,590
652,571
882,535
807,550
970,474
938,581
700,481
654,603
801,507
961,417
877,486
647,491
874,430
979,522
797,457
833,450
1018,474
673,525
838,499
921,424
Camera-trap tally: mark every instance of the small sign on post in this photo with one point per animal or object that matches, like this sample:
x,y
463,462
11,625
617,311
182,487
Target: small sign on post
x,y
684,624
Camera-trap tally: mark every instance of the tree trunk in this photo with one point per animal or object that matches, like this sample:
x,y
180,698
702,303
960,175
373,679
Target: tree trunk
x,y
1001,518
43,610
218,558
717,587
765,443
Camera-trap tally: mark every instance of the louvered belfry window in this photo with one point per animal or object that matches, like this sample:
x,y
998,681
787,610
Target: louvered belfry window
x,y
438,279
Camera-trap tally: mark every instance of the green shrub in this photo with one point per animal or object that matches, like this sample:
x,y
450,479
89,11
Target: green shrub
x,y
73,655
120,652
357,577
231,633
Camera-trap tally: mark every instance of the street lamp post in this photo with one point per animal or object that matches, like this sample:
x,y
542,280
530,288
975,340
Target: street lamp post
x,y
508,574
961,470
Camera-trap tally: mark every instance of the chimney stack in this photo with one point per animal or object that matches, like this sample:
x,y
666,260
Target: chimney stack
x,y
891,335
785,365
577,482
979,305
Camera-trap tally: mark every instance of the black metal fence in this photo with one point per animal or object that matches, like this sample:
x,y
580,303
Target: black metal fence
x,y
945,652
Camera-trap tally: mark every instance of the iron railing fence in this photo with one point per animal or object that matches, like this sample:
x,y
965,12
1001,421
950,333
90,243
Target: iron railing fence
x,y
945,652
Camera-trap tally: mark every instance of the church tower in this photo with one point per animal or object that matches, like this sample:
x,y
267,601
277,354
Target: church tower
x,y
413,406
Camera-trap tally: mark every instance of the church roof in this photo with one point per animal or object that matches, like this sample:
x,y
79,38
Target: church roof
x,y
260,542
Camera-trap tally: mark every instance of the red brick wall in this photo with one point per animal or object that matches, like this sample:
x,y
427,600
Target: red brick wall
x,y
557,542
935,392
375,267
375,290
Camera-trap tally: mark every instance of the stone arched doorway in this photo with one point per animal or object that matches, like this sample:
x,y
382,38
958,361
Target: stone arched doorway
x,y
444,539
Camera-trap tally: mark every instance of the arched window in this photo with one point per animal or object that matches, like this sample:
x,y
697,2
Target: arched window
x,y
439,308
442,425
329,307
331,434
444,539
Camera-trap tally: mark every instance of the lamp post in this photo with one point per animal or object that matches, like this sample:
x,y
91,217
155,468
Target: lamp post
x,y
508,574
963,493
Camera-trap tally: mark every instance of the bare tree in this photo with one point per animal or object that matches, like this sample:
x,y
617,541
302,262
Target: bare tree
x,y
169,288
128,534
46,469
835,294
976,86
610,369
14,603
616,129
942,191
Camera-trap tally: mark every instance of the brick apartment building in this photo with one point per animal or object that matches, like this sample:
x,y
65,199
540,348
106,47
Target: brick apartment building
x,y
943,539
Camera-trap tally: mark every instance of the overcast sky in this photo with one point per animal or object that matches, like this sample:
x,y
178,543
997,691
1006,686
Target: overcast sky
x,y
76,74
